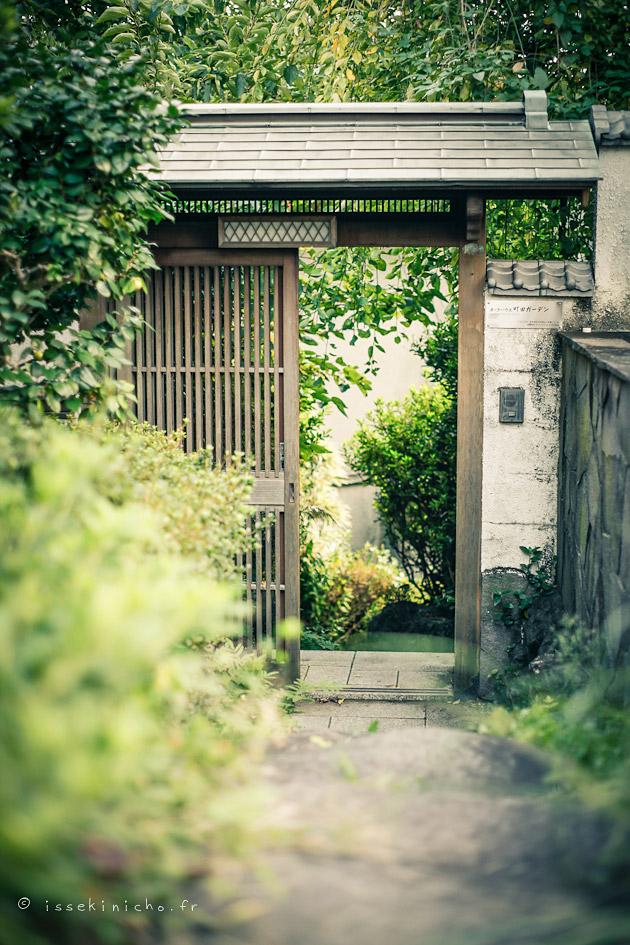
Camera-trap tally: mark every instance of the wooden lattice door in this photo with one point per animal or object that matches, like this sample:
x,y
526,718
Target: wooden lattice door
x,y
220,350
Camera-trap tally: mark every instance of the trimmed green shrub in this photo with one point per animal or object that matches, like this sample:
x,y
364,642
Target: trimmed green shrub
x,y
128,716
341,592
407,449
202,509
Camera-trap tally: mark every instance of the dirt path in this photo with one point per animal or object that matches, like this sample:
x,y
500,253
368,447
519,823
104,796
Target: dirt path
x,y
427,837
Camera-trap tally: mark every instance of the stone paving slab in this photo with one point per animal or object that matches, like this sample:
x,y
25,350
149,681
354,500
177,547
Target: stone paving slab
x,y
353,717
327,656
326,672
378,678
372,658
424,680
380,671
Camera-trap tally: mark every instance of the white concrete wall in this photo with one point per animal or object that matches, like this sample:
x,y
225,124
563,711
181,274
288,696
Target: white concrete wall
x,y
520,461
611,303
520,471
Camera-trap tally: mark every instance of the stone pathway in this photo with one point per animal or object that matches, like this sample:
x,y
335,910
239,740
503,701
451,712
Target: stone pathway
x,y
357,717
383,691
412,833
381,675
424,837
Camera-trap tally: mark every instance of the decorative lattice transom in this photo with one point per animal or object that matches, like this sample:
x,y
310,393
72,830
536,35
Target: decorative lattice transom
x,y
277,232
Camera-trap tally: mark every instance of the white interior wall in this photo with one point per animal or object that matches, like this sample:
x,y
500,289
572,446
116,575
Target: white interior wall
x,y
399,369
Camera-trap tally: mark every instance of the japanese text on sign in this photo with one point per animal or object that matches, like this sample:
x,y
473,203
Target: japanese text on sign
x,y
523,313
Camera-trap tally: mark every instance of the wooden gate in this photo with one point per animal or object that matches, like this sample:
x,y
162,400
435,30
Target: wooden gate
x,y
220,351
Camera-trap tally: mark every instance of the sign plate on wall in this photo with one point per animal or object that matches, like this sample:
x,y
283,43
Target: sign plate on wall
x,y
523,313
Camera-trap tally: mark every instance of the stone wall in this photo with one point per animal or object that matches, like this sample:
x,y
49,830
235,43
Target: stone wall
x,y
594,504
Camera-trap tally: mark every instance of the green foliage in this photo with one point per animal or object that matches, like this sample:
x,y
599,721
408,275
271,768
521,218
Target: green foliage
x,y
203,509
407,449
74,205
540,229
354,295
127,714
513,606
576,708
356,50
342,591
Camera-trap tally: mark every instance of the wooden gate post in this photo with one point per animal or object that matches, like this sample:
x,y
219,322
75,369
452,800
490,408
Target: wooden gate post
x,y
292,454
472,274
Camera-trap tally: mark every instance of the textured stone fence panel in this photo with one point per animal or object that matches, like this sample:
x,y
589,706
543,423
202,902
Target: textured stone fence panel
x,y
594,488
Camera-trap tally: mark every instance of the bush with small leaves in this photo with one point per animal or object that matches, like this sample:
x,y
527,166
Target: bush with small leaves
x,y
129,717
203,509
74,206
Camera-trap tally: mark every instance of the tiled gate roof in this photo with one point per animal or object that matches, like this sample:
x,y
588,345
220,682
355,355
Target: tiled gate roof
x,y
430,146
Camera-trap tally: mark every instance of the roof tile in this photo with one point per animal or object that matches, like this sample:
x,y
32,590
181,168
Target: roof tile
x,y
619,131
539,277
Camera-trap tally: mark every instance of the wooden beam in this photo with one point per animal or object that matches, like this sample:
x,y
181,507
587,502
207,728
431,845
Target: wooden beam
x,y
475,219
178,256
472,273
399,229
191,231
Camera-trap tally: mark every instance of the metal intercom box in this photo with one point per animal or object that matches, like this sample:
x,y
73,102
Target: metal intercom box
x,y
511,405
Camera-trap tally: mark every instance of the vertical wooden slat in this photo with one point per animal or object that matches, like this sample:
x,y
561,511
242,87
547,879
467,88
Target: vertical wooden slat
x,y
267,371
259,573
256,315
472,271
127,371
278,576
218,412
268,575
140,362
291,453
187,375
238,421
197,386
168,347
158,280
177,352
281,566
227,355
207,359
247,340
277,328
150,332
249,620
